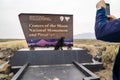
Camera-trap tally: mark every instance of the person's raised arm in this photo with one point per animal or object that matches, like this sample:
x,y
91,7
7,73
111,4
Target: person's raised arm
x,y
107,27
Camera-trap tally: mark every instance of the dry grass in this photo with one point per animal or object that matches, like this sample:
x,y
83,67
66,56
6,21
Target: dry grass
x,y
13,44
8,48
105,74
90,48
108,51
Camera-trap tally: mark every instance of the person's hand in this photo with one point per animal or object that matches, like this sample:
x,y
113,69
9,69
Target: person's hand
x,y
111,17
101,3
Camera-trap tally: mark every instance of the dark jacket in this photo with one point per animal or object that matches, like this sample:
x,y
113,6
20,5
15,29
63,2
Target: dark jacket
x,y
108,31
104,30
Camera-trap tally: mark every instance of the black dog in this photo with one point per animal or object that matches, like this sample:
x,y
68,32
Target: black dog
x,y
59,44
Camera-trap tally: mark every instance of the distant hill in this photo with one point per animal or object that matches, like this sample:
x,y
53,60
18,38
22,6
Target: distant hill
x,y
85,36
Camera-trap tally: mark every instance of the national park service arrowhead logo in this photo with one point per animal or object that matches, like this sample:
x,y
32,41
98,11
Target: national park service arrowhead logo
x,y
62,18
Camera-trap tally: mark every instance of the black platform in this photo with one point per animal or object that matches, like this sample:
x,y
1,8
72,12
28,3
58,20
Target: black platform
x,y
50,57
52,65
53,72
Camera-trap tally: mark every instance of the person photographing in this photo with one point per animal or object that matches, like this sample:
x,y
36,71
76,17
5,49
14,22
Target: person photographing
x,y
107,28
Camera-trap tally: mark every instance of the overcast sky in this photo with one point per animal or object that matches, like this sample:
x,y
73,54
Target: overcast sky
x,y
83,12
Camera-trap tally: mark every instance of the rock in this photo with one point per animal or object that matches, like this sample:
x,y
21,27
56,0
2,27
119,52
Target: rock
x,y
3,76
2,62
2,55
5,68
11,74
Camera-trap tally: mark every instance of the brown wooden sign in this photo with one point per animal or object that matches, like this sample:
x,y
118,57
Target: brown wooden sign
x,y
46,29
